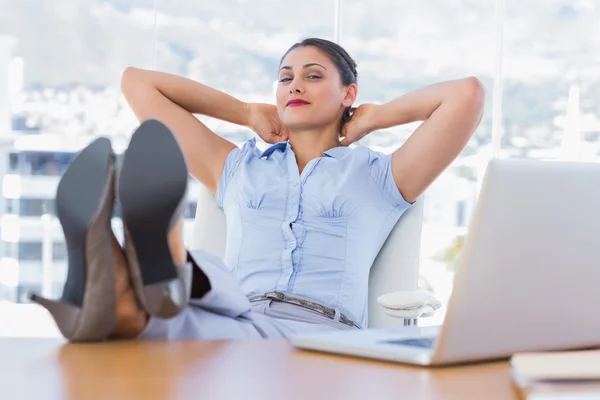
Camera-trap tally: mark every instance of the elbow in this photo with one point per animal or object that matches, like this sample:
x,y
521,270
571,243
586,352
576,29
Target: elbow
x,y
129,78
474,99
474,91
470,93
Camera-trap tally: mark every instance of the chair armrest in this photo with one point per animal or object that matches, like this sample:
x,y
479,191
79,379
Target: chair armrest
x,y
409,304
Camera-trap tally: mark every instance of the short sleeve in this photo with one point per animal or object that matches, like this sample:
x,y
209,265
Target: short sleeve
x,y
232,163
381,172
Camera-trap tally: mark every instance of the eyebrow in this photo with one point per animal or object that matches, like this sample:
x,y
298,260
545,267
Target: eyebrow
x,y
304,66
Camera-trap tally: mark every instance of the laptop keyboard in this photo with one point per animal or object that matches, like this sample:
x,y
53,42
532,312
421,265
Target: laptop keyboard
x,y
424,342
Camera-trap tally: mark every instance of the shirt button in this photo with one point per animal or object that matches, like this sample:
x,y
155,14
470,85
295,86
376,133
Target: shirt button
x,y
295,184
291,215
292,244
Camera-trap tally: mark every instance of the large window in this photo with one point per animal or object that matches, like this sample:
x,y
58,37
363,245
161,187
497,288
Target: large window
x,y
539,66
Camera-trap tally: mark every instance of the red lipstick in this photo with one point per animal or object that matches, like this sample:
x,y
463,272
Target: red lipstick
x,y
296,103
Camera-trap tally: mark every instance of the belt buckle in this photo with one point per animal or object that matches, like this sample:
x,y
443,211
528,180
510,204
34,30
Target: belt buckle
x,y
275,296
311,305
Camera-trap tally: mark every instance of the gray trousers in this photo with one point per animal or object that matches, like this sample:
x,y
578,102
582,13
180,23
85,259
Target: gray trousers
x,y
226,313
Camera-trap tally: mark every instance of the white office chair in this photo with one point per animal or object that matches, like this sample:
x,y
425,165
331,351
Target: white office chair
x,y
396,268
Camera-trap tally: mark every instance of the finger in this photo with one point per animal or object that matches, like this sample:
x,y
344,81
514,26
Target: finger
x,y
279,137
272,138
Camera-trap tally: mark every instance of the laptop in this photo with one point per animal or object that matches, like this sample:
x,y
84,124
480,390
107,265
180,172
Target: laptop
x,y
528,276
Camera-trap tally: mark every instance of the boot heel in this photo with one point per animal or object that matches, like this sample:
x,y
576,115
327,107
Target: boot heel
x,y
167,299
84,202
72,322
65,315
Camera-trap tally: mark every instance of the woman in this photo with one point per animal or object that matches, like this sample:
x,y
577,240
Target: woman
x,y
305,218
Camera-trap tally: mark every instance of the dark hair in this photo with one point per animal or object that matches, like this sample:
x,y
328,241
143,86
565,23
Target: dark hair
x,y
345,65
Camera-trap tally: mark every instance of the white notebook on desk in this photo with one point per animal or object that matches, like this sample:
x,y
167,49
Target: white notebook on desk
x,y
557,375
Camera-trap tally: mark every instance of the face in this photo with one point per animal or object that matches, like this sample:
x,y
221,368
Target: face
x,y
310,93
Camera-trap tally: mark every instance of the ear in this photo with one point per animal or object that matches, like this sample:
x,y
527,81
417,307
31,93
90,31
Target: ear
x,y
350,95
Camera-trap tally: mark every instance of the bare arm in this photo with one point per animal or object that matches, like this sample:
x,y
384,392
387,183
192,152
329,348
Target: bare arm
x,y
451,112
173,100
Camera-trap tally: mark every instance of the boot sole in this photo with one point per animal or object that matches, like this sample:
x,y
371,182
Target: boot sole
x,y
151,190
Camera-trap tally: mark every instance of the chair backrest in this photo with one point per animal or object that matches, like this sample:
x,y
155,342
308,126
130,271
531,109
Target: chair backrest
x,y
395,268
397,264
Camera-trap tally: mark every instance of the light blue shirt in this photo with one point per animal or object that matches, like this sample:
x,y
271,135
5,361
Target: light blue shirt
x,y
314,234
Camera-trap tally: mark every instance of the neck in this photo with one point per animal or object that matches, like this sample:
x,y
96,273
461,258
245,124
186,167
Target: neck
x,y
310,144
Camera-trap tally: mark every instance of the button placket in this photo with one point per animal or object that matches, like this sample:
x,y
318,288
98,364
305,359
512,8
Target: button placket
x,y
290,216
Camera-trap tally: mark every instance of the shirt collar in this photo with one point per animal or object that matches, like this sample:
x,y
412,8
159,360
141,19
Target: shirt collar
x,y
277,146
335,152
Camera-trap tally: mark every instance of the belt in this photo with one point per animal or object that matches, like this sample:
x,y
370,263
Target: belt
x,y
311,305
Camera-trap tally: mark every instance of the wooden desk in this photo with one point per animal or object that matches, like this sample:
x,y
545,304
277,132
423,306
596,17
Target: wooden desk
x,y
267,370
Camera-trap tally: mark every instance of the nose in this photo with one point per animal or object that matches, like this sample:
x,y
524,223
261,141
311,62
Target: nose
x,y
295,88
